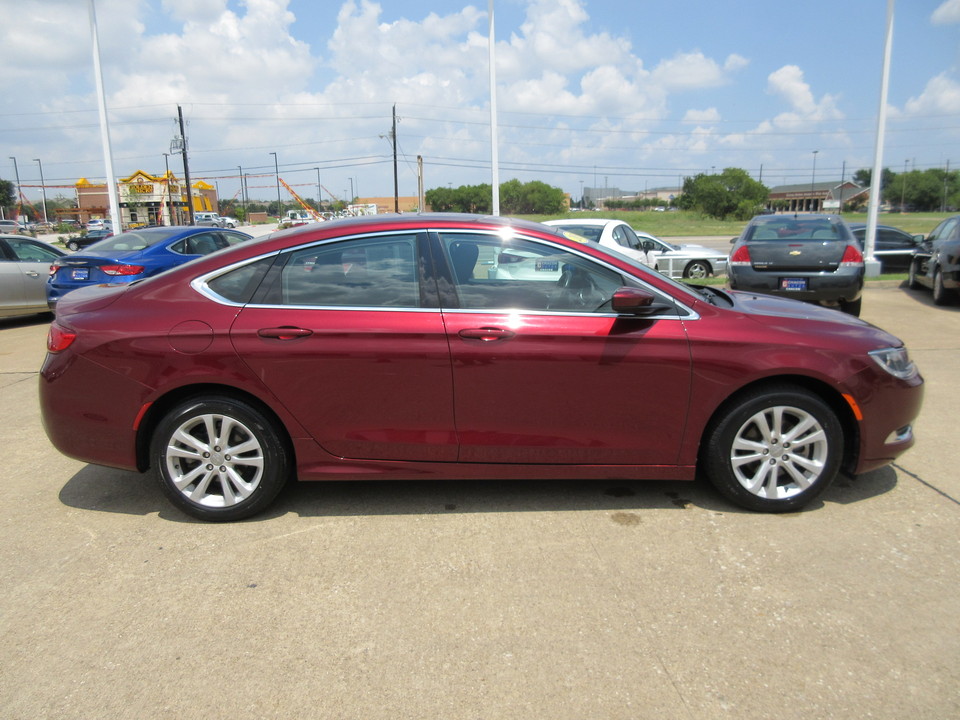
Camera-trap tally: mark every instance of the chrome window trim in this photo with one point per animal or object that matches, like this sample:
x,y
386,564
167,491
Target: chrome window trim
x,y
200,284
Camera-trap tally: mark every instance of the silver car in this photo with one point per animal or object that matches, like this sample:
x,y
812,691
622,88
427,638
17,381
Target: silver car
x,y
694,262
675,261
24,269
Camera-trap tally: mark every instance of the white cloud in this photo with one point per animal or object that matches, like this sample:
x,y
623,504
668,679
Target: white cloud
x,y
692,71
788,82
948,13
940,96
702,117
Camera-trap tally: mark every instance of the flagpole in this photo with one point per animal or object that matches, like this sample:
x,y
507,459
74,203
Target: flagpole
x,y
494,155
104,127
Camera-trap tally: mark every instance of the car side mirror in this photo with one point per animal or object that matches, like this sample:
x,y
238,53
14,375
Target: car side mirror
x,y
637,302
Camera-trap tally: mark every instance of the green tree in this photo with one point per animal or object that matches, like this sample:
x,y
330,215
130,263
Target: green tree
x,y
732,193
8,197
516,198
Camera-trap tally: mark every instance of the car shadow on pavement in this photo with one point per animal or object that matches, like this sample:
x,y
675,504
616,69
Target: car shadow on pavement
x,y
116,491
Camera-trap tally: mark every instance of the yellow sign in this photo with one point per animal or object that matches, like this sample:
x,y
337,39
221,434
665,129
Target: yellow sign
x,y
144,188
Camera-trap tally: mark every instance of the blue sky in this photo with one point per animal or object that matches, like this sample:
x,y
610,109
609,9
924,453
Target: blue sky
x,y
590,92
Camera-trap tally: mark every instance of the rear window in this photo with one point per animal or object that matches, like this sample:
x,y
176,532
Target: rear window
x,y
791,229
135,240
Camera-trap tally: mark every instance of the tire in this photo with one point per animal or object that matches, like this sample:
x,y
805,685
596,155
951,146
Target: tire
x,y
852,307
775,450
220,459
941,296
73,245
912,277
697,270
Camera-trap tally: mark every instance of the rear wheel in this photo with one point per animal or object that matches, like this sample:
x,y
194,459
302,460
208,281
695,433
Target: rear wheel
x,y
941,296
73,245
218,458
775,450
697,270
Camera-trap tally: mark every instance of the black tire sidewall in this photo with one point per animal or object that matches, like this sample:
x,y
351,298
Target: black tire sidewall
x,y
275,466
716,448
687,270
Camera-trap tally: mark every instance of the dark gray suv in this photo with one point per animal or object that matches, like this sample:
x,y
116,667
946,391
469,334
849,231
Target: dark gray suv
x,y
814,258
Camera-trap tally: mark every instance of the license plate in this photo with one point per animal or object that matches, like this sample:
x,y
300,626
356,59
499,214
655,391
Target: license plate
x,y
80,274
547,265
793,284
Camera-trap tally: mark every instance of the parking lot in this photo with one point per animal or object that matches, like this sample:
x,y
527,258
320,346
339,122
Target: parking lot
x,y
568,599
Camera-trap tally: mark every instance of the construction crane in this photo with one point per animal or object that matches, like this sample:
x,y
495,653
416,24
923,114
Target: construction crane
x,y
316,216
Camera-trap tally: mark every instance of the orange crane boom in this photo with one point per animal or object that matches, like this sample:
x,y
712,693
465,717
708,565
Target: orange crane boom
x,y
316,216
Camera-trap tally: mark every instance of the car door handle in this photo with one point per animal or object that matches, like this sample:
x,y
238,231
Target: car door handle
x,y
284,333
33,273
486,334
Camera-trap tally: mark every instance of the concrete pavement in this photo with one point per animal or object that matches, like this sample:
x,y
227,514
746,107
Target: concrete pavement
x,y
484,600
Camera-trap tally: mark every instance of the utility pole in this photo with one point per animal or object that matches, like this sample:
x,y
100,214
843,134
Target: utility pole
x,y
396,187
43,189
186,166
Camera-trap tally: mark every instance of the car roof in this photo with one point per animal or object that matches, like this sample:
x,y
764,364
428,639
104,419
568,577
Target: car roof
x,y
600,222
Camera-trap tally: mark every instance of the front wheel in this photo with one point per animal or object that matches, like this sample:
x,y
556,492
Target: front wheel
x,y
73,245
697,270
852,307
775,450
218,458
912,277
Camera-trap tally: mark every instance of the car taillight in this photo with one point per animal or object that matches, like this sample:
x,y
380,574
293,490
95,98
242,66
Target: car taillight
x,y
851,256
53,269
122,269
59,338
741,256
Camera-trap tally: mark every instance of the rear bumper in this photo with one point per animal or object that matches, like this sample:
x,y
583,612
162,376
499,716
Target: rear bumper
x,y
820,287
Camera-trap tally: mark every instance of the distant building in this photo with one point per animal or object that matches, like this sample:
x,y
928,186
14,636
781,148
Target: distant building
x,y
145,199
823,196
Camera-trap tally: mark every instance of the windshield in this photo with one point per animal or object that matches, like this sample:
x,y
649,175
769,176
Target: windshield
x,y
590,232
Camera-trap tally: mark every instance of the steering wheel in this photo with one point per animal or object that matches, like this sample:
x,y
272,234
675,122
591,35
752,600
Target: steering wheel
x,y
577,289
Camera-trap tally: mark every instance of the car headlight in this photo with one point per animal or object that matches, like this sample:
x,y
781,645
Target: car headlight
x,y
895,361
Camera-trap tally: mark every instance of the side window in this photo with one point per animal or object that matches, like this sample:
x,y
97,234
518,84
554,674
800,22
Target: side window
x,y
227,239
27,251
943,230
364,272
492,273
632,241
621,237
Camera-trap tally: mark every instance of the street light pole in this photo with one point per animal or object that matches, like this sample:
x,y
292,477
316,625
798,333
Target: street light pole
x,y
243,194
276,170
903,184
43,189
319,191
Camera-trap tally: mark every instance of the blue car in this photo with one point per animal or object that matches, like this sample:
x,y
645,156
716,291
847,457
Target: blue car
x,y
134,255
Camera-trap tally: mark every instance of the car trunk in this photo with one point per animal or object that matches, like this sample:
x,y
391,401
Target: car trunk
x,y
797,255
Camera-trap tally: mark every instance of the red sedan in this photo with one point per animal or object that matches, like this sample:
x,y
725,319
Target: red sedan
x,y
454,346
